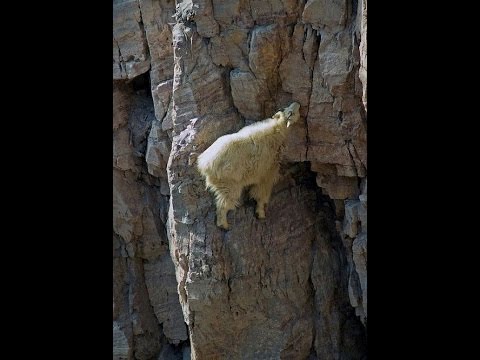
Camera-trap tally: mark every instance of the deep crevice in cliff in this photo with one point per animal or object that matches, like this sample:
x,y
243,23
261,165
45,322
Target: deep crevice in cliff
x,y
148,244
352,334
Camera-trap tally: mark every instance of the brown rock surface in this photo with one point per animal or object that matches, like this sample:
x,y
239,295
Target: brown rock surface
x,y
147,317
291,286
130,51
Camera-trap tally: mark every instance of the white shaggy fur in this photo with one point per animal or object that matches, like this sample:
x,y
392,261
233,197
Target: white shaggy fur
x,y
248,157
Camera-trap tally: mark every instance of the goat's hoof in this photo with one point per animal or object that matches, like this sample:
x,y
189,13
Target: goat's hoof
x,y
223,226
260,216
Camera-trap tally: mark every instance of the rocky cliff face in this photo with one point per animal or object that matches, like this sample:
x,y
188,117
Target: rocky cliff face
x,y
291,286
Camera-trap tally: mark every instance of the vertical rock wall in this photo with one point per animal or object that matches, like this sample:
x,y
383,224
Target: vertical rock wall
x,y
291,286
147,317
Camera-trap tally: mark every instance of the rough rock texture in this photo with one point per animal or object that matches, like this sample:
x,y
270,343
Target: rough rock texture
x,y
361,34
354,235
147,317
291,286
130,51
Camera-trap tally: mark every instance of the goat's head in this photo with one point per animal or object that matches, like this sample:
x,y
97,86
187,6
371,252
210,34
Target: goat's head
x,y
292,113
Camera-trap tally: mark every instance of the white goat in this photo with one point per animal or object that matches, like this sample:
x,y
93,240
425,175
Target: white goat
x,y
249,157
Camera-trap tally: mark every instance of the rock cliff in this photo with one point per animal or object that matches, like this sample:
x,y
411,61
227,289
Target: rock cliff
x,y
293,286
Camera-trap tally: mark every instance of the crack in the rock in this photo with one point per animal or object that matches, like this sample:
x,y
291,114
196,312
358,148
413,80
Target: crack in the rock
x,y
307,135
149,300
144,33
358,157
194,67
314,252
250,12
305,33
352,160
249,47
301,8
354,5
229,294
120,58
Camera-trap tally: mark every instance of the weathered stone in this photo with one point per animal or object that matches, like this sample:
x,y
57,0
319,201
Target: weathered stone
x,y
355,223
346,170
339,208
291,286
249,94
120,104
121,347
122,326
323,168
157,15
350,223
360,259
135,332
139,212
329,153
310,45
167,123
126,206
236,296
206,24
130,54
162,94
122,151
264,11
174,352
359,168
362,216
363,188
320,13
158,150
295,148
226,297
265,53
338,187
331,341
185,11
355,295
162,290
336,129
362,34
151,244
324,129
232,12
335,61
296,76
230,49
360,151
144,325
140,122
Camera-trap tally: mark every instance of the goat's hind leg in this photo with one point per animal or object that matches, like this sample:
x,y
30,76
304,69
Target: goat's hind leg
x,y
222,211
227,199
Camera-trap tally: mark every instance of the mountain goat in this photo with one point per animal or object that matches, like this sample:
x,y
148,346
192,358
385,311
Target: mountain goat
x,y
249,157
